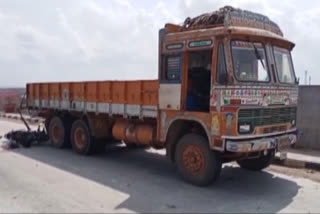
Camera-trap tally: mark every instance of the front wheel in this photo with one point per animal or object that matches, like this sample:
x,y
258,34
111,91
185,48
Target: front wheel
x,y
257,164
196,163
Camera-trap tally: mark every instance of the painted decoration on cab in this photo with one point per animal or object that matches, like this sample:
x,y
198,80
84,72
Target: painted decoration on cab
x,y
229,121
254,96
215,125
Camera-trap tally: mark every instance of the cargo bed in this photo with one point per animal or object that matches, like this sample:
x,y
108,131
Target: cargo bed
x,y
130,98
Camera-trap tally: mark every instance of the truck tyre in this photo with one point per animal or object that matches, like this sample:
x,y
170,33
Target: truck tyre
x,y
81,140
257,164
58,133
196,162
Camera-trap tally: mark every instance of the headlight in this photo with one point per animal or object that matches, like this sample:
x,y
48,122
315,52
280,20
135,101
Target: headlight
x,y
244,128
293,122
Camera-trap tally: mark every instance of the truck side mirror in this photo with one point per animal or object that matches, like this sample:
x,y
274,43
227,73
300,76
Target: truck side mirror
x,y
297,80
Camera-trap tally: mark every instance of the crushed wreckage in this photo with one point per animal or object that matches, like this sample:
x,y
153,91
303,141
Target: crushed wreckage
x,y
23,137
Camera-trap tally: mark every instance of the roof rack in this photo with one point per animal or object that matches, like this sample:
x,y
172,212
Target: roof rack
x,y
227,16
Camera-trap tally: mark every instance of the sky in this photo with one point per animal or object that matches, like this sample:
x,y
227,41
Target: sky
x,y
79,40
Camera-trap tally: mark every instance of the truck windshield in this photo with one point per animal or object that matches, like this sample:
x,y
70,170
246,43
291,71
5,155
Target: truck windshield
x,y
249,60
284,65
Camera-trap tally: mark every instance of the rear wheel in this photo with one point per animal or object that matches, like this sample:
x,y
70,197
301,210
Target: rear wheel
x,y
58,133
196,162
81,139
257,164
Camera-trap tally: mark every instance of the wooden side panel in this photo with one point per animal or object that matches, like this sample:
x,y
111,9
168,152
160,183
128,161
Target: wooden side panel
x,y
44,91
54,91
77,91
104,92
37,91
91,92
112,92
150,93
65,91
30,91
134,91
118,92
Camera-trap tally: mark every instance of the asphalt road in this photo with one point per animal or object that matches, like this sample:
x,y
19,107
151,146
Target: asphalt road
x,y
44,179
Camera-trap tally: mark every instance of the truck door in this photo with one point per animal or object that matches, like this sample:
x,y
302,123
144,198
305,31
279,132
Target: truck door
x,y
199,80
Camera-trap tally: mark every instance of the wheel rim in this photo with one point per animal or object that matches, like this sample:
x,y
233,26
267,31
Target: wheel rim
x,y
194,159
56,134
80,138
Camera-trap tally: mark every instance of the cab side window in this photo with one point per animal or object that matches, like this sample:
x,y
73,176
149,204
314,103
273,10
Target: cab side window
x,y
222,74
171,68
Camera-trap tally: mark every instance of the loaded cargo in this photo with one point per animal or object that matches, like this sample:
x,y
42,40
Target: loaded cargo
x,y
226,92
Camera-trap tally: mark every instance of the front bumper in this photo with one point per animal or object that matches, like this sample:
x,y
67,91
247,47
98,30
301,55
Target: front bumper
x,y
280,143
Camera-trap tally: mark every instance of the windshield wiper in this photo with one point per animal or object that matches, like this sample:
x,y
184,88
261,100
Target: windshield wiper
x,y
258,55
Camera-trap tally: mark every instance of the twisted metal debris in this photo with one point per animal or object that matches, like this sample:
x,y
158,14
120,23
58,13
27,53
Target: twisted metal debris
x,y
25,137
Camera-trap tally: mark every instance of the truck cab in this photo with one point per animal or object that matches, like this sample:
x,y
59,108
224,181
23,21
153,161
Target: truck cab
x,y
230,78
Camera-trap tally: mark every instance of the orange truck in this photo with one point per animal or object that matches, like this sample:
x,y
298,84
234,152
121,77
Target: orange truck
x,y
226,91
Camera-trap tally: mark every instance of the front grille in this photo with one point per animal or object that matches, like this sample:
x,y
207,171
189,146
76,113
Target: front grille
x,y
271,129
266,116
